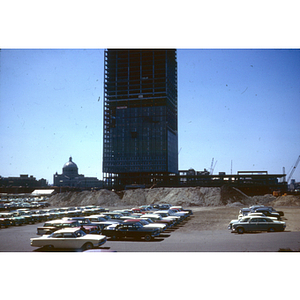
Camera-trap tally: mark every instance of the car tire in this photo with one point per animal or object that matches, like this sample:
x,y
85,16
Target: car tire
x,y
240,230
271,229
148,237
87,246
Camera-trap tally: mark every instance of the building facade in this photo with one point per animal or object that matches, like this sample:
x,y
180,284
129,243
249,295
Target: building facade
x,y
71,178
140,138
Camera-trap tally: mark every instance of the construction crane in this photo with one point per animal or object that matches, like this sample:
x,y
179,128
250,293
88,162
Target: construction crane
x,y
293,169
212,166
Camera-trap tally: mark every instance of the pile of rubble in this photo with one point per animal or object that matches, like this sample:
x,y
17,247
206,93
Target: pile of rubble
x,y
189,196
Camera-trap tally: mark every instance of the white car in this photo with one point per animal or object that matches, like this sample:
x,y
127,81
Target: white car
x,y
69,238
165,214
147,222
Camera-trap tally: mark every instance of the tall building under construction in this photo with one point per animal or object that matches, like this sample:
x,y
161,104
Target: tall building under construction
x,y
140,139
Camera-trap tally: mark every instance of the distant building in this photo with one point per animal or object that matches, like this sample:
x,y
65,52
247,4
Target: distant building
x,y
22,184
140,140
71,178
294,186
23,181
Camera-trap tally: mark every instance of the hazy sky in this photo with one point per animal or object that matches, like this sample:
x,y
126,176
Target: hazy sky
x,y
240,107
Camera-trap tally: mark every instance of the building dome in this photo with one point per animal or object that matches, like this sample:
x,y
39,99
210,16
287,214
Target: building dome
x,y
70,169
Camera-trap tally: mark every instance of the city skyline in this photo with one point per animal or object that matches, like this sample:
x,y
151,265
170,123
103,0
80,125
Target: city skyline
x,y
236,106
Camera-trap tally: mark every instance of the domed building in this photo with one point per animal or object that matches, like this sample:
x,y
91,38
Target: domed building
x,y
70,169
71,178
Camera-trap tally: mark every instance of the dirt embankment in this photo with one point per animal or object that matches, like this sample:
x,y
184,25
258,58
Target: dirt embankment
x,y
189,196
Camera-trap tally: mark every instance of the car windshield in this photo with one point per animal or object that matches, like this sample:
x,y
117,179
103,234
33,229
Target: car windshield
x,y
50,224
149,221
69,224
144,222
80,233
245,219
164,215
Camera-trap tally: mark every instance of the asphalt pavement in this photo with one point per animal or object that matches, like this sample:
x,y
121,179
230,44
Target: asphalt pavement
x,y
17,239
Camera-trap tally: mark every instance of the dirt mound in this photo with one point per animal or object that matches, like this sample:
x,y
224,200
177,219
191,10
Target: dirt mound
x,y
195,196
102,197
288,200
189,196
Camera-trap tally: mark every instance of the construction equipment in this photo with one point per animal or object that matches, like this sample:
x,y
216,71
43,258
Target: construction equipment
x,y
212,166
293,169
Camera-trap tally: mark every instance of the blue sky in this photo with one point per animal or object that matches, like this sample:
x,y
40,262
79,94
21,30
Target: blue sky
x,y
240,107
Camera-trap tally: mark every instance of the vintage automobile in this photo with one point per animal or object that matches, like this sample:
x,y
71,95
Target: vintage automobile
x,y
148,223
267,212
14,219
5,222
165,214
161,206
102,221
138,210
269,208
256,223
98,225
181,209
148,207
182,215
52,226
159,219
249,215
26,214
131,230
113,215
244,212
69,238
5,219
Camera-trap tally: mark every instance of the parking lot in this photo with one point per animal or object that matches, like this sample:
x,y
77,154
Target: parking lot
x,y
204,231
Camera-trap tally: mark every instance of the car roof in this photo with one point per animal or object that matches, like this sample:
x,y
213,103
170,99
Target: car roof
x,y
67,230
257,217
130,222
57,221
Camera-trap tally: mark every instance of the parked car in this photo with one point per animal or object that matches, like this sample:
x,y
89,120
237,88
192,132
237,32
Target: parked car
x,y
260,214
244,212
267,212
162,206
256,223
138,210
159,219
181,209
165,214
26,214
87,224
148,207
52,226
147,223
270,209
5,219
69,238
4,222
112,215
131,230
14,220
102,221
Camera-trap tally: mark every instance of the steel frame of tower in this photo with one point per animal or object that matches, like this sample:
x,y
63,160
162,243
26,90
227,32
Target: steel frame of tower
x,y
140,141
